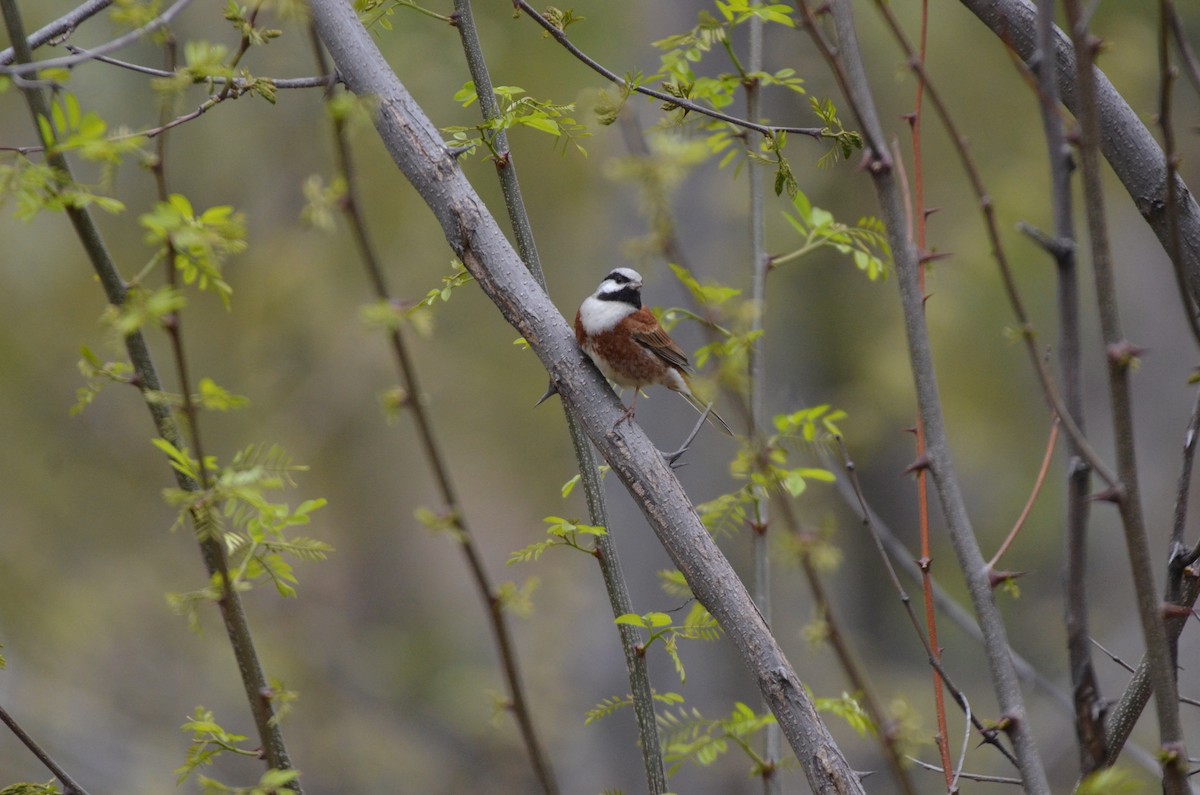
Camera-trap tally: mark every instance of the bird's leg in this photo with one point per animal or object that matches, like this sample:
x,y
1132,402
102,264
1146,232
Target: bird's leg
x,y
673,458
628,415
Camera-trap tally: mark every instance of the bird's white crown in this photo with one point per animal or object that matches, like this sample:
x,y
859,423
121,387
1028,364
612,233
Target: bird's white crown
x,y
620,279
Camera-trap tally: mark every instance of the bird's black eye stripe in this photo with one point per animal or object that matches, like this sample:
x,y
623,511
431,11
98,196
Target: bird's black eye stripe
x,y
618,277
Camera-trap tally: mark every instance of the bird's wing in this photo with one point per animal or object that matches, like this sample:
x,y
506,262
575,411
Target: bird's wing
x,y
649,334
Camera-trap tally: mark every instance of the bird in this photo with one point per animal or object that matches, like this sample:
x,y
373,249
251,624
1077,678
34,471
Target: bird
x,y
627,344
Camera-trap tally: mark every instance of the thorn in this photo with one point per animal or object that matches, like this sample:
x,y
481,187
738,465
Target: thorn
x,y
1124,353
912,430
1171,610
551,391
931,210
1111,494
456,152
922,462
925,299
910,117
998,578
932,256
924,564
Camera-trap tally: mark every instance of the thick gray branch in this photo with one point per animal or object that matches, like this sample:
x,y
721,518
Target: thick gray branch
x,y
1125,142
473,234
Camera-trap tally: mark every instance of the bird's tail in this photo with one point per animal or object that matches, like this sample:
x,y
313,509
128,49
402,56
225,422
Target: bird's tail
x,y
712,415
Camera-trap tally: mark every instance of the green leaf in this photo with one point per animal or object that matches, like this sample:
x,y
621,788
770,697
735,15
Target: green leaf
x,y
216,398
180,460
542,123
631,619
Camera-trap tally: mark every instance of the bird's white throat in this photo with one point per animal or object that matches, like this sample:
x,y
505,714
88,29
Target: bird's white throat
x,y
600,316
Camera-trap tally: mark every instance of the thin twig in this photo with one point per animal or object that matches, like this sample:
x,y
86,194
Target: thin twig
x,y
320,81
63,26
1186,54
1025,326
1116,659
962,756
816,133
1033,495
980,777
858,499
160,21
69,784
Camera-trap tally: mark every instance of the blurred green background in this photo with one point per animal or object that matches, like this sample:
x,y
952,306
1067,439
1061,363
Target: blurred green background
x,y
387,643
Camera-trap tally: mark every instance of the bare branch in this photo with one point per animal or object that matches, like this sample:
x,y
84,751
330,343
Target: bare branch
x,y
966,546
1137,545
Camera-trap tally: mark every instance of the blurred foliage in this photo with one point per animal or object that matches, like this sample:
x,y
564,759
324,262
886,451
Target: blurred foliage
x,y
386,651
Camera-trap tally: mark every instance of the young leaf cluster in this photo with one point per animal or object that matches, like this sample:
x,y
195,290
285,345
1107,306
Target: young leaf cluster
x,y
517,109
866,242
69,129
698,625
38,187
848,709
197,245
25,788
98,374
560,533
209,741
616,703
234,509
690,737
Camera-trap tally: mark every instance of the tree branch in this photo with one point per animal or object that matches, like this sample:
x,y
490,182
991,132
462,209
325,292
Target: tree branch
x,y
1089,727
473,234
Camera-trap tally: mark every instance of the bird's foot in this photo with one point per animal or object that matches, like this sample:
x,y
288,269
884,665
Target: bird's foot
x,y
672,459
